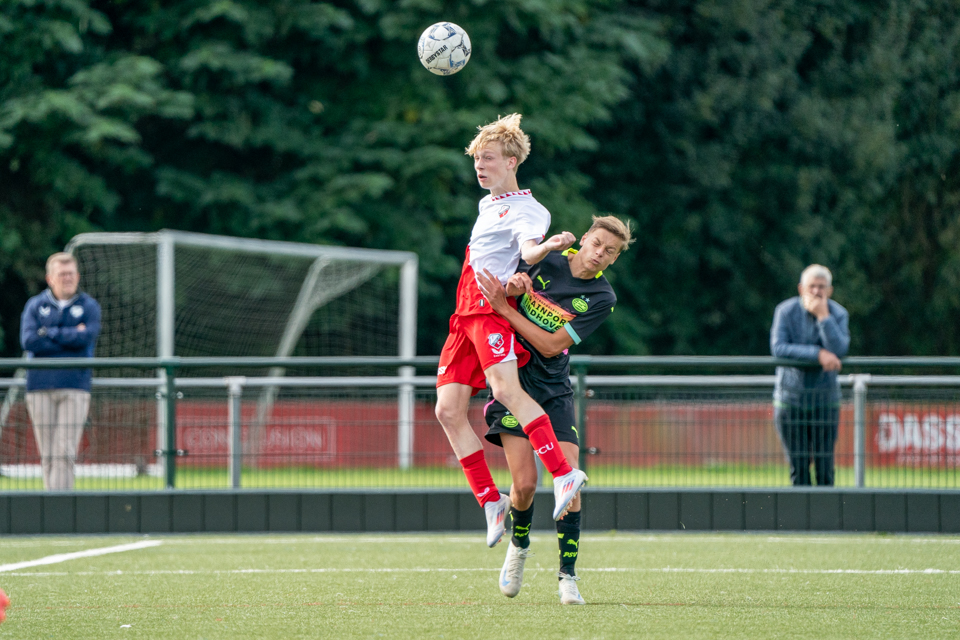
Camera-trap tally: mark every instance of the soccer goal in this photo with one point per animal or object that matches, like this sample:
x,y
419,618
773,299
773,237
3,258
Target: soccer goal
x,y
175,293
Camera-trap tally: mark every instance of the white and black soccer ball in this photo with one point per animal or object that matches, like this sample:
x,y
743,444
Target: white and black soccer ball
x,y
444,48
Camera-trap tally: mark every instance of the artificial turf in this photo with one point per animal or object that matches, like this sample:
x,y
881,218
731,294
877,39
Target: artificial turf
x,y
445,586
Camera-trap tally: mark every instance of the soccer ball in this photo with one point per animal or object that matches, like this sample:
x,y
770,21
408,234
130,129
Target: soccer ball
x,y
444,48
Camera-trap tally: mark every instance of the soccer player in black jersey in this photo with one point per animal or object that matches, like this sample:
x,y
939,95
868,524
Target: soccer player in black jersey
x,y
563,299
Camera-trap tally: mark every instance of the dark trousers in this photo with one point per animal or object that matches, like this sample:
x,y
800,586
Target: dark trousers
x,y
808,435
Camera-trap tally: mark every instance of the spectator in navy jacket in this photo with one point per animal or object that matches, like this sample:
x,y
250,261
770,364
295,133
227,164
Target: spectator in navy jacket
x,y
61,322
813,328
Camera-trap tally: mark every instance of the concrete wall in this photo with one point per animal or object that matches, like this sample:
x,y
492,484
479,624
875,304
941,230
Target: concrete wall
x,y
635,510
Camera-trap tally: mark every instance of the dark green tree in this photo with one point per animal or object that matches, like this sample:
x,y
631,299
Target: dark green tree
x,y
744,140
779,134
69,111
315,122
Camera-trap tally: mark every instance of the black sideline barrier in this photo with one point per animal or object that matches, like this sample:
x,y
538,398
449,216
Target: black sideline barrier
x,y
603,510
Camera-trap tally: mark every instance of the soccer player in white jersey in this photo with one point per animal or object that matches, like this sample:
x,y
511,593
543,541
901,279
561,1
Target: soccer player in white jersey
x,y
481,346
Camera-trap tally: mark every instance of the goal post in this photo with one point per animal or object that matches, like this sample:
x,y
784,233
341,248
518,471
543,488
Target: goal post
x,y
177,293
313,295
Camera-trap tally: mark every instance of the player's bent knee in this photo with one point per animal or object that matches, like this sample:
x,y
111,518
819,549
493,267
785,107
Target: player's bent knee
x,y
525,489
446,414
507,394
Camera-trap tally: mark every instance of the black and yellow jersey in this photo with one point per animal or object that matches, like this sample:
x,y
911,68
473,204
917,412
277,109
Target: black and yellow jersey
x,y
561,302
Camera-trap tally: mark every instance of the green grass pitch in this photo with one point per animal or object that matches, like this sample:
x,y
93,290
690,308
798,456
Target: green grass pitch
x,y
445,586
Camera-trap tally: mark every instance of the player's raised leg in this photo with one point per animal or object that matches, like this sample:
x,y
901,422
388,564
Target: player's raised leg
x,y
568,537
453,400
567,481
523,472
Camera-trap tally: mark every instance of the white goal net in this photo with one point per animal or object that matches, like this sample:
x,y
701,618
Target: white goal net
x,y
174,293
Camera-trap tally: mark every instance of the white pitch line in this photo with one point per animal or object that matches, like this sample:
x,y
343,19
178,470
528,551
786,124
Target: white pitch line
x,y
189,572
89,553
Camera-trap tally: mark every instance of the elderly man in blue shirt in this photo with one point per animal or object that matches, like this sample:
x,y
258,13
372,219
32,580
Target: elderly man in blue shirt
x,y
813,328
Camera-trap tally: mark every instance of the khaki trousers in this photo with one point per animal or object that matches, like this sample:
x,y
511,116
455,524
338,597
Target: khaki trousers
x,y
58,416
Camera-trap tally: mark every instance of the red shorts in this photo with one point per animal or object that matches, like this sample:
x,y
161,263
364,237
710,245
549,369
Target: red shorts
x,y
477,342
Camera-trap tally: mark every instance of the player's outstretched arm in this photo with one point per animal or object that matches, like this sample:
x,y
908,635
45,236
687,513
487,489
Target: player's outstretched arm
x,y
549,344
532,253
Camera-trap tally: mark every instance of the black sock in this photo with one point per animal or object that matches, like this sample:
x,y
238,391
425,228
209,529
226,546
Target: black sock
x,y
521,521
568,534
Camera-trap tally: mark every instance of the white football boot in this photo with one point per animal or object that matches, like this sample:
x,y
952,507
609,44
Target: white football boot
x,y
496,513
511,576
565,489
569,593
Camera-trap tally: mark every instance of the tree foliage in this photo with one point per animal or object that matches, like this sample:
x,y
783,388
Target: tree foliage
x,y
778,134
744,139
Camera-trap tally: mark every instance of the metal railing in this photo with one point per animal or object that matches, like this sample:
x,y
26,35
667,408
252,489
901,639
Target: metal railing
x,y
637,430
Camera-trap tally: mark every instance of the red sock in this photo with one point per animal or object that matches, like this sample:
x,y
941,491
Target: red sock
x,y
545,444
478,475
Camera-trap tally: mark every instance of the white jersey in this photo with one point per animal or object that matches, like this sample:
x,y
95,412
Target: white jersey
x,y
505,222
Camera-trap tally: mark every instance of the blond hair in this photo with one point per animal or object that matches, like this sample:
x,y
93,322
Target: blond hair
x,y
513,141
617,227
60,258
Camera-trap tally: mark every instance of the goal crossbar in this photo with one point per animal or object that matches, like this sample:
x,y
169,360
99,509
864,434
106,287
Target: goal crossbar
x,y
249,245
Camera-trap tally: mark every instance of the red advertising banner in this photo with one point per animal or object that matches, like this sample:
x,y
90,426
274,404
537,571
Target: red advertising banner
x,y
911,435
280,445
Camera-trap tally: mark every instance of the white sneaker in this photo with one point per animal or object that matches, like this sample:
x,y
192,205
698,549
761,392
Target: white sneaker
x,y
496,513
565,489
569,593
511,576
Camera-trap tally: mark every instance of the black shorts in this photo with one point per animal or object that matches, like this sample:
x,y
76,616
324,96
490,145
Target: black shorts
x,y
559,409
